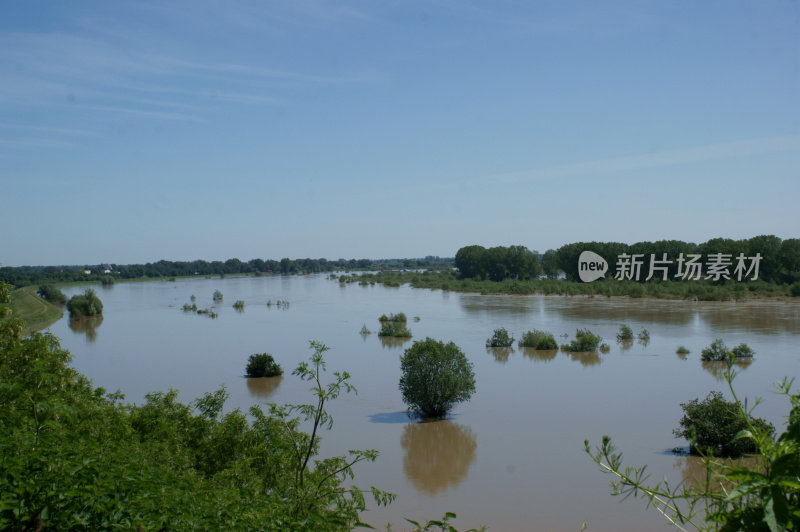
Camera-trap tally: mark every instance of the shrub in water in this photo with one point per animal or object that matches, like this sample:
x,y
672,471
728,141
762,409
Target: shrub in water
x,y
217,295
399,318
86,304
625,333
539,340
263,365
682,351
714,424
584,341
435,376
644,336
500,338
717,351
394,328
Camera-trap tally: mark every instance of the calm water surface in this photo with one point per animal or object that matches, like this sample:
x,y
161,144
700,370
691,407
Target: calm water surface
x,y
512,458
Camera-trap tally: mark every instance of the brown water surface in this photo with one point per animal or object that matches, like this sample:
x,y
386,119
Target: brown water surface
x,y
511,458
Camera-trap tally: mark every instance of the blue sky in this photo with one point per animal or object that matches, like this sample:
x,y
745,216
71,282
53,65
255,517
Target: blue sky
x,y
137,131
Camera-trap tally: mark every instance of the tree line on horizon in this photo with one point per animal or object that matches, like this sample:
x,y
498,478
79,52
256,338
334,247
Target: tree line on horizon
x,y
27,275
779,264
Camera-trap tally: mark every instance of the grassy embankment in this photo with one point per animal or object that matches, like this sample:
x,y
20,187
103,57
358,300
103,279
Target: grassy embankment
x,y
697,290
33,310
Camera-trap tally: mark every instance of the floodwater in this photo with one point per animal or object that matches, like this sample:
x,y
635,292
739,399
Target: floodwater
x,y
511,458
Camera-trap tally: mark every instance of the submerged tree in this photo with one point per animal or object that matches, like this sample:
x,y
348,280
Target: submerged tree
x,y
435,377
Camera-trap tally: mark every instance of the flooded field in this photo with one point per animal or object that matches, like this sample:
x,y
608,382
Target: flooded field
x,y
512,458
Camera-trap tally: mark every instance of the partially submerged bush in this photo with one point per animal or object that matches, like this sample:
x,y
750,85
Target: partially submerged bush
x,y
584,341
394,328
217,296
86,304
644,336
500,338
435,377
364,330
540,340
625,333
682,351
718,351
399,318
239,304
263,365
714,424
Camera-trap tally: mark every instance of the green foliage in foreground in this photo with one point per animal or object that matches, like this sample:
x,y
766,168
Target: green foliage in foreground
x,y
540,340
86,304
585,340
500,338
718,351
711,427
435,377
764,496
73,457
394,328
263,365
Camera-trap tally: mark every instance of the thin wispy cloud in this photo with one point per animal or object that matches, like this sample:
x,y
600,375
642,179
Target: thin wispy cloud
x,y
709,152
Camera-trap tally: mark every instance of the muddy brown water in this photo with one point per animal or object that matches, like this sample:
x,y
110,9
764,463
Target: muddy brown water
x,y
511,458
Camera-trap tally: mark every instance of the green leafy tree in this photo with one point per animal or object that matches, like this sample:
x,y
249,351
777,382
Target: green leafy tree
x,y
263,365
435,377
86,304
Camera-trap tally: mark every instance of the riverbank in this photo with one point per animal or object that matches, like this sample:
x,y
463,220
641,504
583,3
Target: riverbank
x,y
682,290
33,310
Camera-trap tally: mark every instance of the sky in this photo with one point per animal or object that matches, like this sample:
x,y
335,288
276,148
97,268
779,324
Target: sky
x,y
137,131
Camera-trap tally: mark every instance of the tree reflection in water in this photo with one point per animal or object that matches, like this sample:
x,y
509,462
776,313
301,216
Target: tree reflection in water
x,y
543,355
393,341
586,358
500,354
438,454
263,387
86,325
717,368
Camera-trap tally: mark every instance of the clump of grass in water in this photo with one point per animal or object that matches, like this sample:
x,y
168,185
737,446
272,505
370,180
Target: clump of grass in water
x,y
584,341
539,340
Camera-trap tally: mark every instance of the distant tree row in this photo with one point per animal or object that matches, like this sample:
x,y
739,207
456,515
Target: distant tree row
x,y
779,259
27,275
498,263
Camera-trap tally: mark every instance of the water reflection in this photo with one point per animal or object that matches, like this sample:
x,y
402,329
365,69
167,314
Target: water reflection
x,y
586,358
263,387
500,354
438,454
393,341
539,355
624,345
755,316
87,326
694,472
624,310
717,368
